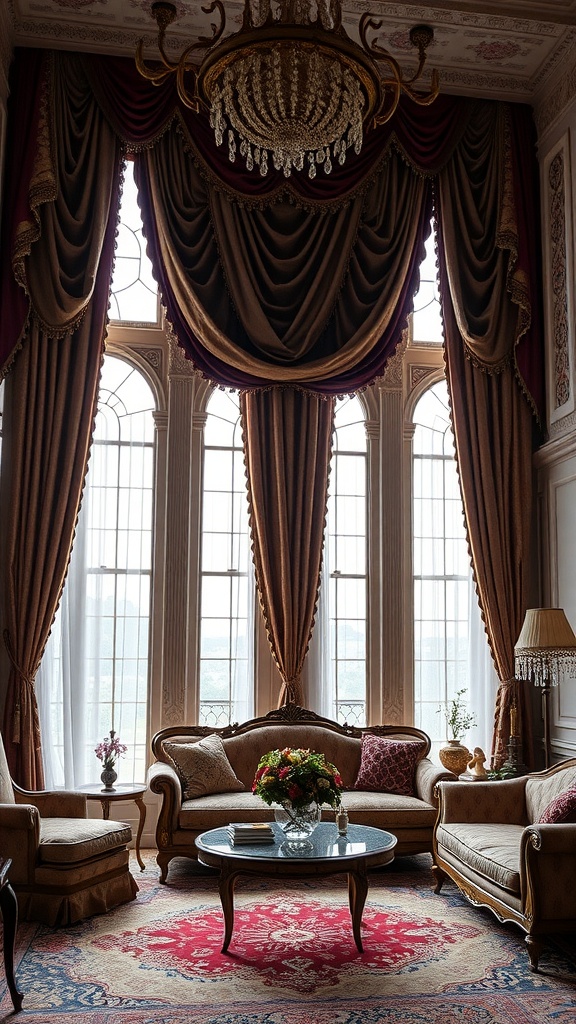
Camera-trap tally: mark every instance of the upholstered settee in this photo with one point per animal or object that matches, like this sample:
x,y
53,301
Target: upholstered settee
x,y
511,846
197,795
65,865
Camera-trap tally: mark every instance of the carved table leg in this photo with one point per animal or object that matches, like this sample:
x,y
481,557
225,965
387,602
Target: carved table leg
x,y
357,892
142,808
9,910
226,890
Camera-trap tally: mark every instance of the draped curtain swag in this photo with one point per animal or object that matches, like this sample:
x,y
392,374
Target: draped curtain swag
x,y
296,287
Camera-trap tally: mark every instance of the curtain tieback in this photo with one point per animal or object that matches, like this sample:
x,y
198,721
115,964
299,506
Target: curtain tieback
x,y
27,680
292,686
23,675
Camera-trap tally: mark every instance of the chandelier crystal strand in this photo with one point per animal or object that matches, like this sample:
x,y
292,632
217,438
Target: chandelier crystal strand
x,y
290,87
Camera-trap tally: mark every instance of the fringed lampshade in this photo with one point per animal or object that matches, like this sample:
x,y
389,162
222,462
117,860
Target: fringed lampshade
x,y
545,649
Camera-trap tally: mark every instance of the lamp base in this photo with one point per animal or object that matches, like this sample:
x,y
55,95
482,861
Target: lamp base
x,y
514,765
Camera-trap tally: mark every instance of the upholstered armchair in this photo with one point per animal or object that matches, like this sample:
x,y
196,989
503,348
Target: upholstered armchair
x,y
511,846
65,866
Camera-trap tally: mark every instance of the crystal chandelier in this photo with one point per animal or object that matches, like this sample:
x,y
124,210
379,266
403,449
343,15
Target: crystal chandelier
x,y
290,87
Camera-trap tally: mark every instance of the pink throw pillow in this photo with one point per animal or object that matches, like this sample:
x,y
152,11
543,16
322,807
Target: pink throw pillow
x,y
388,766
561,809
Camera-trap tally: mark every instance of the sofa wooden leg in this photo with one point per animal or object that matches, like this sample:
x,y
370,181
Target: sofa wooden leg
x,y
163,860
440,877
535,948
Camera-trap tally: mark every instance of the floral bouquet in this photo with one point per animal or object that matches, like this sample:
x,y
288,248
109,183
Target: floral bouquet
x,y
301,777
109,749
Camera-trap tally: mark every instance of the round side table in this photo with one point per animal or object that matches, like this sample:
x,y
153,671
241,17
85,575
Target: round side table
x,y
125,791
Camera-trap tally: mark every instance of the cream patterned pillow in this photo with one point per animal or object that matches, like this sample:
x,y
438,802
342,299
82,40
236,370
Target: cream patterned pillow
x,y
203,767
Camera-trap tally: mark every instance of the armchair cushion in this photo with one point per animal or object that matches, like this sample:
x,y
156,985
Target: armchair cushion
x,y
561,809
388,766
69,840
203,767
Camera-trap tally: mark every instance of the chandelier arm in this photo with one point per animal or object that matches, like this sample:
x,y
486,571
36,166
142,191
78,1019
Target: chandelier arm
x,y
410,81
192,100
217,30
424,99
367,21
155,75
396,88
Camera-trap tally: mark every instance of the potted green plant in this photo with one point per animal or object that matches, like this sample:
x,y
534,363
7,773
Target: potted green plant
x,y
454,755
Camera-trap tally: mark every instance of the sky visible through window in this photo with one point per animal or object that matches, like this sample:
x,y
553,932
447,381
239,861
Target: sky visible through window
x,y
134,292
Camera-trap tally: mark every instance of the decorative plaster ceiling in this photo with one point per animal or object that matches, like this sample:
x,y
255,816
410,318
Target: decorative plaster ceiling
x,y
507,50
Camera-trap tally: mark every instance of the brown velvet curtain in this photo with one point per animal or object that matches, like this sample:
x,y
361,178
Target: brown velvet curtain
x,y
288,440
52,392
486,311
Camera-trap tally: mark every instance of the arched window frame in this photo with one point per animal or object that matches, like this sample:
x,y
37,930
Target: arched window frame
x,y
449,656
107,712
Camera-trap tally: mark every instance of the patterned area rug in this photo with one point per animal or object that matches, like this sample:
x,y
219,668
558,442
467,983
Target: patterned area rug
x,y
292,960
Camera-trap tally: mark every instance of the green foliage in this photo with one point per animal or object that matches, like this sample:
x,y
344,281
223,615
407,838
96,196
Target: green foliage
x,y
301,776
458,718
507,771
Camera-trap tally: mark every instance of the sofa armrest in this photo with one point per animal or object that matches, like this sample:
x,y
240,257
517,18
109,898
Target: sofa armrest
x,y
163,779
428,775
550,839
20,830
547,858
53,803
493,802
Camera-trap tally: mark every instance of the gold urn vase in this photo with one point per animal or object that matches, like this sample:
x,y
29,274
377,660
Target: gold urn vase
x,y
454,756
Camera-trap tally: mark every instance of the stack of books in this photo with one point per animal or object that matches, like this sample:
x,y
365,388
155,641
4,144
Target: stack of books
x,y
250,832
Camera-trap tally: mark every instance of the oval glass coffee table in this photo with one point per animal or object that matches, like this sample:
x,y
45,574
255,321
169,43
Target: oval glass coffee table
x,y
362,848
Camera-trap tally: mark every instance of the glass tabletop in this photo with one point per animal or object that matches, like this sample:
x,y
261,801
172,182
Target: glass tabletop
x,y
326,844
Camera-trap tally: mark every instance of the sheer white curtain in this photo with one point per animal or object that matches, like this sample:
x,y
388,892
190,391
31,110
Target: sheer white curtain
x,y
61,678
318,682
482,678
242,649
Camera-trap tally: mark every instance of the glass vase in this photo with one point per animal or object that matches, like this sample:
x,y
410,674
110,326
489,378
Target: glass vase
x,y
297,823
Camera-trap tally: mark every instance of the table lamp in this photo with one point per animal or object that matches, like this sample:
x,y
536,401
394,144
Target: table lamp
x,y
544,650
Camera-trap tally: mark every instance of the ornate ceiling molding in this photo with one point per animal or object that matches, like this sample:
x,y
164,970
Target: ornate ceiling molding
x,y
474,38
549,109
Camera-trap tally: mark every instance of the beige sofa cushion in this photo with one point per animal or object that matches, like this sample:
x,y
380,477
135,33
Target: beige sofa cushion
x,y
381,810
492,850
70,840
203,767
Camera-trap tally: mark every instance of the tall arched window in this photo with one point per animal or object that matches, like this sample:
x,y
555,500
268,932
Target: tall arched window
x,y
94,675
227,574
441,566
342,625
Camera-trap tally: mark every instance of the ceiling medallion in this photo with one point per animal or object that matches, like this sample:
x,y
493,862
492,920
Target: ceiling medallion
x,y
290,86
